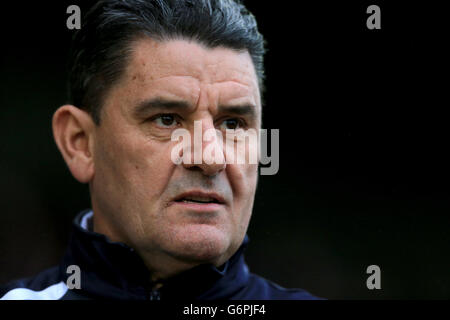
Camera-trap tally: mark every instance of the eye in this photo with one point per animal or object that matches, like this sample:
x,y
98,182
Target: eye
x,y
166,120
231,124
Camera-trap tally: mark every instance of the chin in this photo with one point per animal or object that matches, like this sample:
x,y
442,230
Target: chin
x,y
201,243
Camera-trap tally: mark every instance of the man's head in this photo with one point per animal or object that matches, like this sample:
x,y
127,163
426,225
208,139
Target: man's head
x,y
139,70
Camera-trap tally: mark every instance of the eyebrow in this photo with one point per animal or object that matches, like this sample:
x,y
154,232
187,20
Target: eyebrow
x,y
148,106
241,110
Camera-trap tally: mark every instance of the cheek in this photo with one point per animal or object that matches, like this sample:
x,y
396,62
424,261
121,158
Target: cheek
x,y
243,179
150,168
138,169
252,180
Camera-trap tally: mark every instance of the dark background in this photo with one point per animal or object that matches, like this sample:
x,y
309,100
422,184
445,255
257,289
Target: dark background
x,y
363,178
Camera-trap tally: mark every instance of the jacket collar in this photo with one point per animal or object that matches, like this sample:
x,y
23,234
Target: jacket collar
x,y
113,270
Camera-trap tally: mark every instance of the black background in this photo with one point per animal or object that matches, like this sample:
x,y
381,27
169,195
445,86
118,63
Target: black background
x,y
363,155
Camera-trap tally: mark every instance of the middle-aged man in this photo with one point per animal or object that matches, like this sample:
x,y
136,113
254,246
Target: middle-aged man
x,y
158,229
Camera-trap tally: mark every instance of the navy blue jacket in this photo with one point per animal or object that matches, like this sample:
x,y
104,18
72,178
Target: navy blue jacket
x,y
112,270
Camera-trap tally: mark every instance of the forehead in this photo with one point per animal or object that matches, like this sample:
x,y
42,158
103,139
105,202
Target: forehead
x,y
179,67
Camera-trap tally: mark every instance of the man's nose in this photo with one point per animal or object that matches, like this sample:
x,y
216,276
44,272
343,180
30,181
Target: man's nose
x,y
206,149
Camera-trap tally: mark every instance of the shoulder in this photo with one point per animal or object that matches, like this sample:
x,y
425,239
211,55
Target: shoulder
x,y
47,285
260,288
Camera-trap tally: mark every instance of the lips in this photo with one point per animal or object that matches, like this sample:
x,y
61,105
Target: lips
x,y
199,197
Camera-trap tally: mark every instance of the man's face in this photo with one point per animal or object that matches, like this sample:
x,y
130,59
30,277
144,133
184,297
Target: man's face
x,y
138,193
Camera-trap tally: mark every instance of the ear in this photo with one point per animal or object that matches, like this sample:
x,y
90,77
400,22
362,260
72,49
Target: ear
x,y
73,130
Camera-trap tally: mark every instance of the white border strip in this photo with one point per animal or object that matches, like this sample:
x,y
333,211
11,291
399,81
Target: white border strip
x,y
54,292
84,220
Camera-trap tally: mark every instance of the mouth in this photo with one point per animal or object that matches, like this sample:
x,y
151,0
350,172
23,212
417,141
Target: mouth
x,y
200,198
